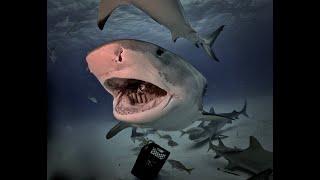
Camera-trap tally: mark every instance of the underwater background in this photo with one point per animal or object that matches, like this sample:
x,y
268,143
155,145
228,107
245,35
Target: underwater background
x,y
80,110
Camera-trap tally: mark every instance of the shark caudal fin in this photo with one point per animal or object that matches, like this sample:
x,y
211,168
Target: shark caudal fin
x,y
182,133
116,129
211,146
209,41
106,7
254,143
244,109
220,142
189,170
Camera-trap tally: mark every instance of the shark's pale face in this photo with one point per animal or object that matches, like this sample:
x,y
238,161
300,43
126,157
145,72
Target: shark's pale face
x,y
145,88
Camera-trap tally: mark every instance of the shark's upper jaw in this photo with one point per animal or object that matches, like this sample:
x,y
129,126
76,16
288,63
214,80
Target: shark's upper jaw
x,y
133,96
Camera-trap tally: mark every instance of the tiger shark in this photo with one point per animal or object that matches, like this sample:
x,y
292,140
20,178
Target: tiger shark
x,y
151,86
254,158
168,13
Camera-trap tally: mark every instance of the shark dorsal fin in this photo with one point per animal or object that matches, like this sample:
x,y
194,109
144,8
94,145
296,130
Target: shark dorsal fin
x,y
221,143
212,110
254,143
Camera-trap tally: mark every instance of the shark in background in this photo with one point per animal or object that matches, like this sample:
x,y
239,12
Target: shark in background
x,y
254,158
234,114
213,129
168,13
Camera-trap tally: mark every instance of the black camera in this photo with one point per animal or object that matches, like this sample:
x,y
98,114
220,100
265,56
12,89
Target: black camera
x,y
150,161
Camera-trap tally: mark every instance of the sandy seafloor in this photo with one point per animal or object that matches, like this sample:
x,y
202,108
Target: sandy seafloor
x,y
80,151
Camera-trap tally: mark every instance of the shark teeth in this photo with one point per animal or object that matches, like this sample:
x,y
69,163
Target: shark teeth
x,y
134,96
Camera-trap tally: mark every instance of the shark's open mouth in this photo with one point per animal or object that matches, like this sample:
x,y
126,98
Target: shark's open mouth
x,y
134,96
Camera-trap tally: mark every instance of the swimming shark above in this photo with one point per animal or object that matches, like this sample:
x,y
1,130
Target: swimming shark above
x,y
151,86
168,13
254,158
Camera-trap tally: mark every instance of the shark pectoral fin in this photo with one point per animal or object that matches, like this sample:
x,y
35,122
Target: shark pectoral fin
x,y
106,7
254,143
208,42
174,36
116,129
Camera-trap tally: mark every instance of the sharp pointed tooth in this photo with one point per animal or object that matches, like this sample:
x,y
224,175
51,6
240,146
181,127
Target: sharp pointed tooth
x,y
134,96
131,99
144,98
153,103
139,98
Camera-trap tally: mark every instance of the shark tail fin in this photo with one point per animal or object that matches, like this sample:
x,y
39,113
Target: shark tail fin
x,y
254,143
211,147
116,129
244,109
189,170
106,7
182,133
209,41
212,111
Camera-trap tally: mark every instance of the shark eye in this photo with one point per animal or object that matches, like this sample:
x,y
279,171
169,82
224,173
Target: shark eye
x,y
160,52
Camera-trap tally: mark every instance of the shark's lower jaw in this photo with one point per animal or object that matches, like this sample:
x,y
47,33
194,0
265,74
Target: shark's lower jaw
x,y
134,96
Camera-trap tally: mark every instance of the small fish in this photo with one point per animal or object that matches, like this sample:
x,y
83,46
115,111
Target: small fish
x,y
151,131
172,143
52,54
178,165
75,27
192,130
93,99
166,136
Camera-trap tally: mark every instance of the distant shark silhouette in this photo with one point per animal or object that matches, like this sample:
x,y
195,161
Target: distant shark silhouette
x,y
254,158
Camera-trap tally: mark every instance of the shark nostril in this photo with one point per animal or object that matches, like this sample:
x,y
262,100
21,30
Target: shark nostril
x,y
120,51
120,58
